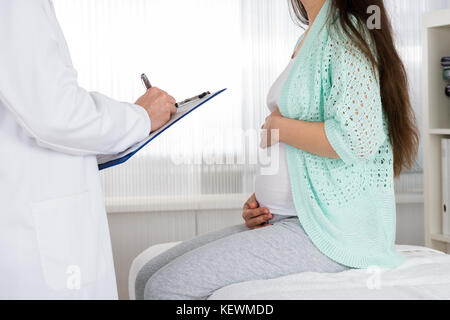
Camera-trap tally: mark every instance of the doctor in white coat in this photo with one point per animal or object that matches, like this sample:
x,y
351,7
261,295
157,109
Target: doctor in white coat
x,y
54,237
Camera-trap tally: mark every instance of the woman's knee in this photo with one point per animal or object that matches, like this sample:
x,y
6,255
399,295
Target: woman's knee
x,y
143,276
174,283
156,288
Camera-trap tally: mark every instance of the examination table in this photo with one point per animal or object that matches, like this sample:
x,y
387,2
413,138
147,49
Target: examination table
x,y
425,275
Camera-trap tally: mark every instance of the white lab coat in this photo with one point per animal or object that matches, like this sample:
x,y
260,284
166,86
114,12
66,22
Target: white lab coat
x,y
54,236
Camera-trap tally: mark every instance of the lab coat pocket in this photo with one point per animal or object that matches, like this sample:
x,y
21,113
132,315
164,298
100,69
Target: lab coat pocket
x,y
68,235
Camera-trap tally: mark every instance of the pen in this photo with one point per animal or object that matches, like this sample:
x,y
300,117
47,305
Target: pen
x,y
146,82
199,97
148,86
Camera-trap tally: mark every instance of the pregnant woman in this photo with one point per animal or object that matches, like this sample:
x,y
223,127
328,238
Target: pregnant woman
x,y
346,128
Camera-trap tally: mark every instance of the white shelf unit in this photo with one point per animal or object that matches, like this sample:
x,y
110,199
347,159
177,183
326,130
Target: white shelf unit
x,y
436,117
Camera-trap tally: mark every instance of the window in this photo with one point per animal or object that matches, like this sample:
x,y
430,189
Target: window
x,y
190,46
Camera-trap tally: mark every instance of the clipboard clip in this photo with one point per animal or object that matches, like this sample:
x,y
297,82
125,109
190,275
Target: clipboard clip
x,y
148,86
196,98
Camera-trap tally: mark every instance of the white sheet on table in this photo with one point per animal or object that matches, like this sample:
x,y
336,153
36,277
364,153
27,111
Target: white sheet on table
x,y
425,275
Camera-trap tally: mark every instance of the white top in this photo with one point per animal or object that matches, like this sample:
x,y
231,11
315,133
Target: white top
x,y
274,191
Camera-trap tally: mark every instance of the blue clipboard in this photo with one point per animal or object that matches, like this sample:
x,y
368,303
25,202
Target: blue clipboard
x,y
107,161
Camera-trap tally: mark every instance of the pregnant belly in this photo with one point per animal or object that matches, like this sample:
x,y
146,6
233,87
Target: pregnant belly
x,y
274,191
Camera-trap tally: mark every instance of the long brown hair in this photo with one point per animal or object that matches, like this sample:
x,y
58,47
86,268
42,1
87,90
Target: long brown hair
x,y
403,131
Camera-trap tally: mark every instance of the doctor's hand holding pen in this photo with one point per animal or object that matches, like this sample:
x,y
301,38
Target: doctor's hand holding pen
x,y
159,105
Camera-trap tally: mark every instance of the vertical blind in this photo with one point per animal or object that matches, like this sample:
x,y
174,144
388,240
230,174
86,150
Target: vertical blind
x,y
190,46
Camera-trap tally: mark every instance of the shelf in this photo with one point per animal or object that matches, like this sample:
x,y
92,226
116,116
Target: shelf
x,y
436,118
441,238
205,203
175,203
436,19
437,28
445,132
409,198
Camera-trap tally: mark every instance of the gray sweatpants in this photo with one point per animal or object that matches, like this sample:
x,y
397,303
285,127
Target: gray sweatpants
x,y
197,268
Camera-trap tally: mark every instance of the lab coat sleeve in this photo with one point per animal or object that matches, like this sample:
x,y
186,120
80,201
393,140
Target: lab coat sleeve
x,y
38,84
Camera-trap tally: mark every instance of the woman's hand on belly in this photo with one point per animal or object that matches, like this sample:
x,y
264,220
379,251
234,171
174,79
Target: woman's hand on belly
x,y
270,131
254,216
307,136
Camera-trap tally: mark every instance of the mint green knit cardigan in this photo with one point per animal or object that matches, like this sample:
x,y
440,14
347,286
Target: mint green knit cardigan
x,y
346,205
